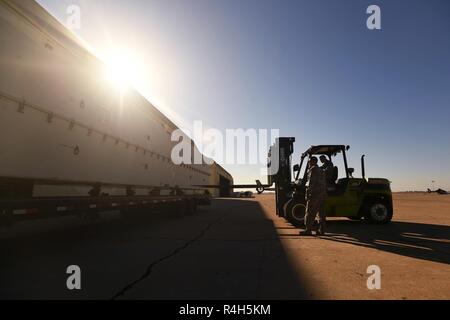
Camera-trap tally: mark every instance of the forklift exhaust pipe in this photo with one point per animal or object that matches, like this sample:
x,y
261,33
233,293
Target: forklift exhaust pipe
x,y
363,167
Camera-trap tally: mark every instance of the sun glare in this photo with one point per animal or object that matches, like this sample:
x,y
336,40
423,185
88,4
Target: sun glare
x,y
123,70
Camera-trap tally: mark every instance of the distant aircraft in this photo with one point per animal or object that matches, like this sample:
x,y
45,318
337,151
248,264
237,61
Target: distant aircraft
x,y
438,191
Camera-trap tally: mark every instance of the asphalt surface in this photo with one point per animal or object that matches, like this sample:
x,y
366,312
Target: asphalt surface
x,y
235,249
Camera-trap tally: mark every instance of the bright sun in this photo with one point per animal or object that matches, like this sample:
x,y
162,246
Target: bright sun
x,y
123,70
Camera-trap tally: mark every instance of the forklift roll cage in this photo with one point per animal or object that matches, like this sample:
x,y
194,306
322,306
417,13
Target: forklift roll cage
x,y
329,151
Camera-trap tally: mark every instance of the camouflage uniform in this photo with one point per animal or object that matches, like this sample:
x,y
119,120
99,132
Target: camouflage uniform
x,y
328,167
316,194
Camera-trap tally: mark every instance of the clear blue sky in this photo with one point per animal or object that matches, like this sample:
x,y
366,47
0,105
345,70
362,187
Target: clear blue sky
x,y
310,68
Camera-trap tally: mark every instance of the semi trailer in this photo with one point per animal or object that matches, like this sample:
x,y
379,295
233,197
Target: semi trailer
x,y
70,140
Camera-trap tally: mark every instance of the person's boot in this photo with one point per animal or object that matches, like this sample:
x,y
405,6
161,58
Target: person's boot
x,y
321,229
306,233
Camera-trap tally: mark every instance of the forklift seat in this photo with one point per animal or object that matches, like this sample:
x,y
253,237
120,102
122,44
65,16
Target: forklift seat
x,y
339,188
341,185
335,174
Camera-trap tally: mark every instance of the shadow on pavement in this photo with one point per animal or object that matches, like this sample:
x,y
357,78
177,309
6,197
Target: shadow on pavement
x,y
416,240
229,251
240,257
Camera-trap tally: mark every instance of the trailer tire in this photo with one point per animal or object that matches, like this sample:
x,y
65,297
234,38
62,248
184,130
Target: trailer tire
x,y
168,210
178,209
128,214
191,206
294,212
89,217
6,218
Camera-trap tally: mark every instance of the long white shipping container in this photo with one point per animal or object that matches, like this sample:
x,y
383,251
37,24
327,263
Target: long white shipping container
x,y
61,119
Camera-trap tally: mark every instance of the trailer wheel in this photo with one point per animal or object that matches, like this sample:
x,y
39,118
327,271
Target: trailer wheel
x,y
130,214
294,212
378,212
170,210
6,218
191,206
178,209
89,217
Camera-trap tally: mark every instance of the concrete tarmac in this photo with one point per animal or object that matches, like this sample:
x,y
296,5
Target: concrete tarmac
x,y
235,249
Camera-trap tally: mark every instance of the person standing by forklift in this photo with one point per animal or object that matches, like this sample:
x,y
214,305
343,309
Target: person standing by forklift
x,y
328,168
316,194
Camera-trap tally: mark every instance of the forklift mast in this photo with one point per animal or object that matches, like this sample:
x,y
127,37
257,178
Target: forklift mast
x,y
279,170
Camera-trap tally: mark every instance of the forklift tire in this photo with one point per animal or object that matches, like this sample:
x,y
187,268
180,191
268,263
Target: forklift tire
x,y
378,212
294,212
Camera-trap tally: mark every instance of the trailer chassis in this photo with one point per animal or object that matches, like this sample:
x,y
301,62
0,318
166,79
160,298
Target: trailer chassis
x,y
17,207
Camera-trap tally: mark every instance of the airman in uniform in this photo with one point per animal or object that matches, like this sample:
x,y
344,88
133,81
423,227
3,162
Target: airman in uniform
x,y
327,167
316,194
